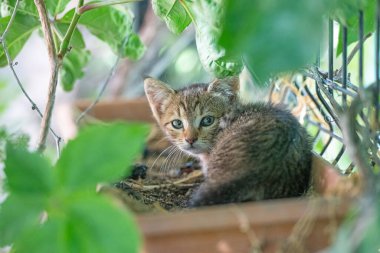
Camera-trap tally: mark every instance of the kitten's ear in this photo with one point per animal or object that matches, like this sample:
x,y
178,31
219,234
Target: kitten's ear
x,y
158,94
228,86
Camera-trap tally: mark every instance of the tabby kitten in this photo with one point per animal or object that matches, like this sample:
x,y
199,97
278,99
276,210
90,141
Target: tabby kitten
x,y
248,152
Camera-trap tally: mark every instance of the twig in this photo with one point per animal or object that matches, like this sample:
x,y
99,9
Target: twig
x,y
91,6
103,88
11,66
55,65
105,84
352,54
353,143
156,186
180,183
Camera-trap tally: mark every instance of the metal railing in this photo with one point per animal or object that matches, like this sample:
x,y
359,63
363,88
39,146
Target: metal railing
x,y
330,96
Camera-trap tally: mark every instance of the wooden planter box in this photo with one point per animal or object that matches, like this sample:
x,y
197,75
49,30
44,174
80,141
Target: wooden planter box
x,y
240,228
288,225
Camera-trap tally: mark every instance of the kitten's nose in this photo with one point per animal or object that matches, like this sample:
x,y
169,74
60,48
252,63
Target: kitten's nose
x,y
191,140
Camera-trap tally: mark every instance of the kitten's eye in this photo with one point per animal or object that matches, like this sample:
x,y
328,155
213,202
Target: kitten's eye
x,y
207,121
177,124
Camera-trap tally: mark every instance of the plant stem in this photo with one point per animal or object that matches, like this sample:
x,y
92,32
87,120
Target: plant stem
x,y
54,65
92,6
80,9
67,38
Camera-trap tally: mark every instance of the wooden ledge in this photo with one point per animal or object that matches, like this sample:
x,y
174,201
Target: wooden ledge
x,y
119,109
237,228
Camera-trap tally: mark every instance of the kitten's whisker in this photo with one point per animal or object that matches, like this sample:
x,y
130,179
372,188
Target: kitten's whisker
x,y
169,164
177,158
162,152
167,159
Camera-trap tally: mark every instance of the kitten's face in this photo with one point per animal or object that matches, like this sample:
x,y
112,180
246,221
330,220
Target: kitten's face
x,y
191,117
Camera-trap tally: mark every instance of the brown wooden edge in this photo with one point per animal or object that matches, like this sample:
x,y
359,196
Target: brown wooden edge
x,y
237,228
119,109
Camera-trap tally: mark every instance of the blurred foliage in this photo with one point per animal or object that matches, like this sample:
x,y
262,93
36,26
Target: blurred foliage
x,y
349,17
274,36
110,24
207,17
78,219
271,36
350,240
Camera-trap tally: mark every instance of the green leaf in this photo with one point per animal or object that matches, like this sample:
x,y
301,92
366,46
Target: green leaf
x,y
99,154
208,16
20,31
96,217
274,36
72,67
46,238
352,21
17,216
56,6
27,173
91,224
173,13
134,48
113,26
25,7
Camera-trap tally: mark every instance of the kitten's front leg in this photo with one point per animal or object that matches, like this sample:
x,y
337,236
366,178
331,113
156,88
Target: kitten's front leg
x,y
204,158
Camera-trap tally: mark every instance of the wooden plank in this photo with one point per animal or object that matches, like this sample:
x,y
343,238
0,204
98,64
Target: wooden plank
x,y
119,109
223,228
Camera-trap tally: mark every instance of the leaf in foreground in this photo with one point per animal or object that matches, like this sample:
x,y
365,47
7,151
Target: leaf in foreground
x,y
90,224
274,36
27,173
17,216
99,154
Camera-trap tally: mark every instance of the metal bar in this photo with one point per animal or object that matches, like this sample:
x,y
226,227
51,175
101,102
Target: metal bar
x,y
344,64
328,122
325,104
337,158
361,41
331,52
326,146
325,130
377,66
336,79
332,85
316,135
318,106
349,169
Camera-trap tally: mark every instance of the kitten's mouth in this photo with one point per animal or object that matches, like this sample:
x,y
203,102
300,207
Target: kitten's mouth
x,y
194,149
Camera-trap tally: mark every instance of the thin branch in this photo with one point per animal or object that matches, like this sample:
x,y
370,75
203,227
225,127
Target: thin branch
x,y
10,21
352,54
11,66
55,65
92,6
105,84
353,143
